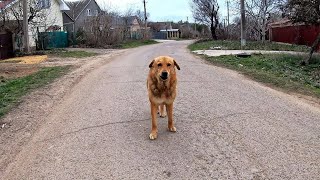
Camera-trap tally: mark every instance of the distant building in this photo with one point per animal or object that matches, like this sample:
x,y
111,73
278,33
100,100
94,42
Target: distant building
x,y
171,33
79,14
164,30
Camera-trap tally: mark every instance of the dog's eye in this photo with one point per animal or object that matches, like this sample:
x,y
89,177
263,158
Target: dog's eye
x,y
168,64
159,65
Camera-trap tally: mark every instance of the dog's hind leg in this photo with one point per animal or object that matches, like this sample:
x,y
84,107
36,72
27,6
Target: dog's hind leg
x,y
162,112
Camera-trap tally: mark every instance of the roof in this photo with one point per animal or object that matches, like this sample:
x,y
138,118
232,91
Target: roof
x,y
118,20
131,19
170,30
76,8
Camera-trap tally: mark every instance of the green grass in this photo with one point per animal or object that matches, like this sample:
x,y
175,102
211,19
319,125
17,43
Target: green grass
x,y
251,45
136,43
12,90
73,54
280,70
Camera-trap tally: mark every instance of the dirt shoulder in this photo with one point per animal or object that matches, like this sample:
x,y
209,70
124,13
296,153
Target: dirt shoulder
x,y
19,125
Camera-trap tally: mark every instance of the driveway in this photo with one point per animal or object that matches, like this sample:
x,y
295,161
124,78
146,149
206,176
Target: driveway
x,y
228,127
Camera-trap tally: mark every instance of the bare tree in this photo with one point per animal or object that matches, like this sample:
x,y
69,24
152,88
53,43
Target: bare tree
x,y
258,14
102,32
206,11
126,22
39,19
308,12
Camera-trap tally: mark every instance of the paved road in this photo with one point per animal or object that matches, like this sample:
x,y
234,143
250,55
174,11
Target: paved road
x,y
228,127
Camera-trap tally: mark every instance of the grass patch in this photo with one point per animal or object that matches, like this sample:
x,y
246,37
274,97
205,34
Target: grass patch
x,y
137,43
281,70
66,54
12,90
251,45
74,54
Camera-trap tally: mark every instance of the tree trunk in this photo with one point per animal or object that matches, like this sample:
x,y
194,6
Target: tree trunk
x,y
213,32
263,29
313,48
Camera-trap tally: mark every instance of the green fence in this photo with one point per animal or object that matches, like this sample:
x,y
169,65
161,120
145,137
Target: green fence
x,y
49,40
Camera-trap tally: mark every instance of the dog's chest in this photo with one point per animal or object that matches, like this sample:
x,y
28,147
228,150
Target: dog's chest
x,y
163,91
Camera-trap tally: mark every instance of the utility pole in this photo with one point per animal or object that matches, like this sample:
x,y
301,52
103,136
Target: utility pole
x,y
228,2
243,24
145,20
25,27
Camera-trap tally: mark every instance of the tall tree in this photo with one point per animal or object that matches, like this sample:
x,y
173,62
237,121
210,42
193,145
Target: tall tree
x,y
308,12
206,11
39,17
258,15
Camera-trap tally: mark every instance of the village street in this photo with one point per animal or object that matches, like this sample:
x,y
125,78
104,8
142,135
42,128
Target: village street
x,y
228,127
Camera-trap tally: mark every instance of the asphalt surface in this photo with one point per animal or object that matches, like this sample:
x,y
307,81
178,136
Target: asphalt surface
x,y
228,127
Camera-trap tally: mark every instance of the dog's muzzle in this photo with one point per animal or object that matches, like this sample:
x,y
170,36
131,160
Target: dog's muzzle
x,y
164,75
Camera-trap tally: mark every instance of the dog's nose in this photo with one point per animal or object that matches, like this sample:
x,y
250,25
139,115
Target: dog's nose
x,y
164,74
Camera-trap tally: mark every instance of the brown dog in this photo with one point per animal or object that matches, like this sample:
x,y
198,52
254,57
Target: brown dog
x,y
161,83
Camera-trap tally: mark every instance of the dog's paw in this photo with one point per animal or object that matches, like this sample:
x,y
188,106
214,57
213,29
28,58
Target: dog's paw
x,y
172,129
163,115
153,136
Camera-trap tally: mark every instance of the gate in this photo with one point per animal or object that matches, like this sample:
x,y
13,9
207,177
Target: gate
x,y
6,45
49,40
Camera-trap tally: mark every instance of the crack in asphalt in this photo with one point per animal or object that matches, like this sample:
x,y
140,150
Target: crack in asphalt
x,y
124,82
128,122
91,127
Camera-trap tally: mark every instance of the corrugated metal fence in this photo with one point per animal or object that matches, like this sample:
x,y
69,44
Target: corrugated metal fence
x,y
49,40
300,34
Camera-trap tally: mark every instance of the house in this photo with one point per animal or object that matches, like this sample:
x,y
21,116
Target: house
x,y
164,30
131,25
171,33
42,15
287,32
79,16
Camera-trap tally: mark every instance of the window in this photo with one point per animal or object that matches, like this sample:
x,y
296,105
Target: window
x,y
44,4
88,12
96,12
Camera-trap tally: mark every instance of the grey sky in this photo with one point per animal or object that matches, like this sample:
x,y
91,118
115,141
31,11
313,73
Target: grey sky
x,y
160,10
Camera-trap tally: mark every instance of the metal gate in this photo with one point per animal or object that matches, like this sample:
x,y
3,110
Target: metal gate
x,y
6,45
49,40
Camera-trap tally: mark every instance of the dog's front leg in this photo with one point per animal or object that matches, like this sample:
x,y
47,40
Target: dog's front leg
x,y
154,132
171,127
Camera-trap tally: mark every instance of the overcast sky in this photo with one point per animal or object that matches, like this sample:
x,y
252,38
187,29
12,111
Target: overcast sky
x,y
160,10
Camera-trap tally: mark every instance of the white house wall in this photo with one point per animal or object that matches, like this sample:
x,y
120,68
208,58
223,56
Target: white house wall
x,y
53,17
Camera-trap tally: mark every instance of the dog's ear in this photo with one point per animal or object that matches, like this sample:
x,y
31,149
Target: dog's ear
x,y
150,65
176,64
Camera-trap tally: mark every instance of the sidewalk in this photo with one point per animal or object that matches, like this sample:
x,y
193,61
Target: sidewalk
x,y
234,52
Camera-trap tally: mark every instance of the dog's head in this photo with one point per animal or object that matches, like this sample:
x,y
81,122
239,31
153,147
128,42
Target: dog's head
x,y
163,67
